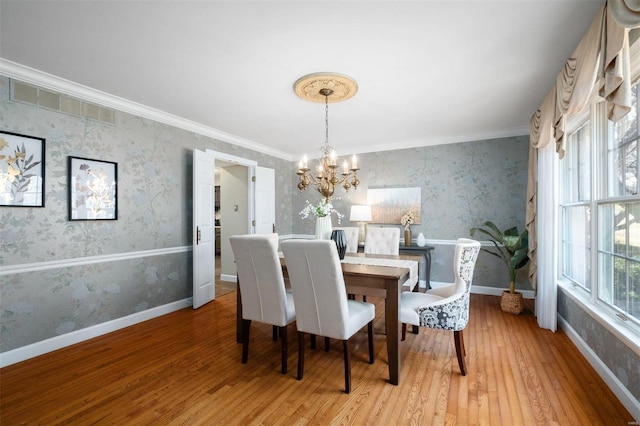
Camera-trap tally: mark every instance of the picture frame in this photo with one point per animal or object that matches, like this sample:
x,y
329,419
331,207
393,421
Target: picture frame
x,y
388,205
93,189
22,173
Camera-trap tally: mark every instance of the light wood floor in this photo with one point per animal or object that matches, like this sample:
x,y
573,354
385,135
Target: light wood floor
x,y
222,287
184,368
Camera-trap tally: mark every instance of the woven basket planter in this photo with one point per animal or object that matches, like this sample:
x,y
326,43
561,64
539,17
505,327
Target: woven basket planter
x,y
512,303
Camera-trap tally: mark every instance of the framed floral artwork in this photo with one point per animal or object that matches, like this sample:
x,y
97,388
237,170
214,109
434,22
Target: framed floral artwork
x,y
93,189
21,170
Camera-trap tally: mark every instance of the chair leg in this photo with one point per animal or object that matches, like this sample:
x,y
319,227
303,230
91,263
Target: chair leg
x,y
464,349
347,366
370,332
313,341
275,333
300,354
246,324
459,342
404,331
326,344
285,348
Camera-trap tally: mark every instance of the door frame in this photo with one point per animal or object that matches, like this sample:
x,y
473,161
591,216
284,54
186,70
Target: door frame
x,y
251,171
251,165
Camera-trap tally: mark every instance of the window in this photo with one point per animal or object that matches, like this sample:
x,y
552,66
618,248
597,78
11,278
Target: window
x,y
576,208
600,207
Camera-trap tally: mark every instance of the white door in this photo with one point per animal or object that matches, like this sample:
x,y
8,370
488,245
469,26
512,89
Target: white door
x,y
204,241
265,200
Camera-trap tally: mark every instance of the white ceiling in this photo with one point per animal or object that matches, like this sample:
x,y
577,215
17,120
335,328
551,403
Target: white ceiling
x,y
429,72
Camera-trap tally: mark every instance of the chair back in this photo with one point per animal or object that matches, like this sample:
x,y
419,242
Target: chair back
x,y
464,261
380,240
318,287
352,233
260,277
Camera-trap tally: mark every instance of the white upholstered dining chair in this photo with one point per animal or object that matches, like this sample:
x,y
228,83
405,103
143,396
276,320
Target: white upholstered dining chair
x,y
262,289
445,307
379,240
321,299
352,233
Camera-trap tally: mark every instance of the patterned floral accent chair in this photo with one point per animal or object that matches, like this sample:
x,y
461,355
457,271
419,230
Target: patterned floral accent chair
x,y
445,307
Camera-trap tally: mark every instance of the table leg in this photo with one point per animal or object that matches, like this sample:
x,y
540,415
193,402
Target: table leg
x,y
392,322
414,328
427,257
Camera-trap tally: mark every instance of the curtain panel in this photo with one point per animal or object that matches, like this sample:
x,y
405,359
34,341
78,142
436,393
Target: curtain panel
x,y
599,62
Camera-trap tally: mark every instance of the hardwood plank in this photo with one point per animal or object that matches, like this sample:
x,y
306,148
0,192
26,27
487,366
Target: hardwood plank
x,y
184,368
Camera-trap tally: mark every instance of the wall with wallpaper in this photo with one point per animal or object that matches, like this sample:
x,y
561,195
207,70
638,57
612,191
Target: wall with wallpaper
x,y
462,185
618,357
61,288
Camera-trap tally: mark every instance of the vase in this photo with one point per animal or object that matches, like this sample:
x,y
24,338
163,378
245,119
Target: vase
x,y
407,237
339,237
323,228
421,241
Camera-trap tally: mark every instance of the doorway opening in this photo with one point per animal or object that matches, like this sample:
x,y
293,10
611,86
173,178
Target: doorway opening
x,y
232,216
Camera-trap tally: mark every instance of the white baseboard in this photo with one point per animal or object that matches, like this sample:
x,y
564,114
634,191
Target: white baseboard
x,y
620,391
68,339
497,291
230,278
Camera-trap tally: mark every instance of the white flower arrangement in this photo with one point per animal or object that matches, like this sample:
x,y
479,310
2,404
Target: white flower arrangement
x,y
322,209
407,219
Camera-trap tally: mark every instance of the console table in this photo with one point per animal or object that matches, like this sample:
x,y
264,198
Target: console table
x,y
426,252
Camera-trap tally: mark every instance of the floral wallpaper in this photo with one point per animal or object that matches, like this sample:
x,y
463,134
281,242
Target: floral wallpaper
x,y
462,185
623,361
154,212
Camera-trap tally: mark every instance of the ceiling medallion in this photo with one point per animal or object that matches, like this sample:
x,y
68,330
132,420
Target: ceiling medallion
x,y
309,86
323,87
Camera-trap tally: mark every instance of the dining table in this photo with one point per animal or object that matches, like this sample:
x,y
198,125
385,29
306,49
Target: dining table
x,y
382,276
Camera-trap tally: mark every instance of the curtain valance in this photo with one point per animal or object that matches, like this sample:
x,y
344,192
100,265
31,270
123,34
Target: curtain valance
x,y
602,58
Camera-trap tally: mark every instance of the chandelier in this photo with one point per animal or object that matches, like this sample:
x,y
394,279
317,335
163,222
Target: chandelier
x,y
328,173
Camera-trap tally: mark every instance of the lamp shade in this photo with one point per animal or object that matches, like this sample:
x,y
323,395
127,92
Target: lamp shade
x,y
360,214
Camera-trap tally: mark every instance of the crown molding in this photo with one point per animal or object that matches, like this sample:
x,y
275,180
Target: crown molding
x,y
61,85
462,138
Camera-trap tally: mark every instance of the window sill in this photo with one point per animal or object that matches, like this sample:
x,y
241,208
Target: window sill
x,y
627,332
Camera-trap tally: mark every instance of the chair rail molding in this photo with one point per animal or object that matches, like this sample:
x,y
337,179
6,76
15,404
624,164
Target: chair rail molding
x,y
80,261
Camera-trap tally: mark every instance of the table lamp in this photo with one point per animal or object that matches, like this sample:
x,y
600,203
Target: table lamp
x,y
361,214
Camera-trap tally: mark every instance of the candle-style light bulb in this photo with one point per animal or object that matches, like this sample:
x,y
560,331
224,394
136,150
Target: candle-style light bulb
x,y
304,161
354,162
345,168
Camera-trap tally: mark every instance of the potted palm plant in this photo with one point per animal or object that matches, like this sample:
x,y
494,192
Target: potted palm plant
x,y
512,248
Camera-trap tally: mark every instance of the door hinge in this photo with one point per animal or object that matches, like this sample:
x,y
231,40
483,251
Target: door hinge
x,y
253,223
253,178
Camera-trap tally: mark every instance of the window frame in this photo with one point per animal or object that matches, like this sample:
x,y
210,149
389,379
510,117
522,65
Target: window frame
x,y
625,327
